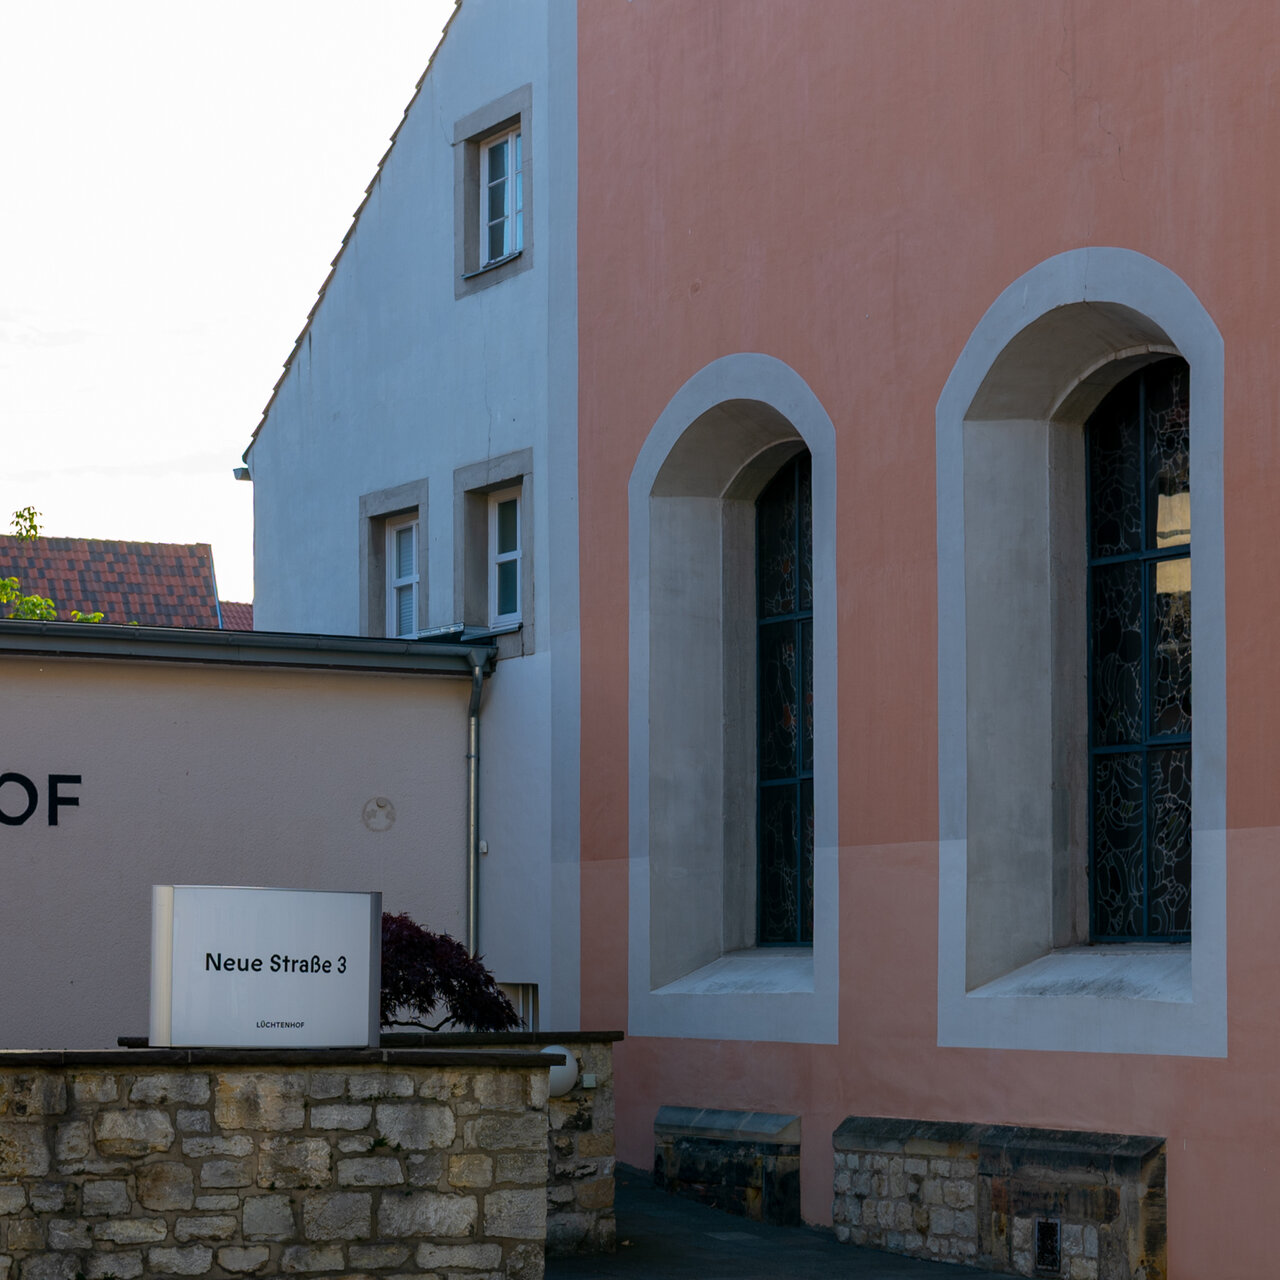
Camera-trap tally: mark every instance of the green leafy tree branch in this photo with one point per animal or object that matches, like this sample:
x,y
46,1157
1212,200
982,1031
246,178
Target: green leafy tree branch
x,y
33,608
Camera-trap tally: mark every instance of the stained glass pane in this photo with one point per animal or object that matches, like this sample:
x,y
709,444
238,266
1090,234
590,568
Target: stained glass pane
x,y
779,700
1170,836
1140,655
1115,474
1168,459
779,882
1117,654
804,466
1119,873
806,861
776,545
806,696
784,654
1171,647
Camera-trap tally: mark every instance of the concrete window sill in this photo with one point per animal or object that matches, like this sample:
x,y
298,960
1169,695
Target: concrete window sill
x,y
781,970
1133,971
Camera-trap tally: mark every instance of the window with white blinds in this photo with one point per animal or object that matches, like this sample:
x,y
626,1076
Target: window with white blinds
x,y
402,578
504,557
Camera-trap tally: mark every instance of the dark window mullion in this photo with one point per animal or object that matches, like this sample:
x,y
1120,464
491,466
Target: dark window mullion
x,y
1127,748
1175,552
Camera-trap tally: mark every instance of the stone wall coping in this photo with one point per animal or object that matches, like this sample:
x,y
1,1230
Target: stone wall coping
x,y
888,1133
19,1059
449,1039
1008,1145
732,1126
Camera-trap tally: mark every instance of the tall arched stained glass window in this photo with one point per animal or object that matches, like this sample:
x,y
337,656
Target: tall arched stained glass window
x,y
1139,480
784,656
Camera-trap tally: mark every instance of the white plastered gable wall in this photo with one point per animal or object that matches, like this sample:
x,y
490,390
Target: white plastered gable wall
x,y
1008,976
400,381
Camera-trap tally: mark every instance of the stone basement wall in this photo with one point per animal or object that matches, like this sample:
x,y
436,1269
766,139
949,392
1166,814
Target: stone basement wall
x,y
232,1163
976,1194
580,1174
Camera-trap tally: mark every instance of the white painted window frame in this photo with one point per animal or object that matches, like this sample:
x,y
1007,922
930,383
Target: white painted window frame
x,y
512,218
496,557
395,583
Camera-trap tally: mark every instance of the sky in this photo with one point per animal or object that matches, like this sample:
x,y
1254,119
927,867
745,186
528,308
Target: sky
x,y
177,176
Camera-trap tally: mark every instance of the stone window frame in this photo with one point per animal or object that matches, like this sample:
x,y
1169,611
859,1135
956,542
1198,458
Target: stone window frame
x,y
472,486
378,510
693,967
508,114
1014,967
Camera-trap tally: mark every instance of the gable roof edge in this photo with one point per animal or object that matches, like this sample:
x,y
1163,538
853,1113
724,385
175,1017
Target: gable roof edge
x,y
355,220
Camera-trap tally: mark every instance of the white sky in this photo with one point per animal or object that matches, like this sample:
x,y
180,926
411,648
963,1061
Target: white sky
x,y
177,176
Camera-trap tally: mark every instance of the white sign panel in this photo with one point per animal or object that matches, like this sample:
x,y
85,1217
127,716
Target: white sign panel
x,y
264,968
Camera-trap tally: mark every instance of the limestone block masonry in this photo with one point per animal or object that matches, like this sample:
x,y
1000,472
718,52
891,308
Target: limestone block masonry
x,y
746,1162
580,1152
1030,1202
148,1163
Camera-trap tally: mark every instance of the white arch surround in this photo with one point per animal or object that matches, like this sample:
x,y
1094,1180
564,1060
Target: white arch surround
x,y
1040,359
745,407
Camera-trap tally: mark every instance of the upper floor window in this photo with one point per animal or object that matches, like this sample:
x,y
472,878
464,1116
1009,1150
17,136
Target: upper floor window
x,y
402,578
502,197
494,188
784,663
1139,498
504,557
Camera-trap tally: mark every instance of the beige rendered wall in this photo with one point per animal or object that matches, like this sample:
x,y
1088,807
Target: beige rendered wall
x,y
207,775
847,186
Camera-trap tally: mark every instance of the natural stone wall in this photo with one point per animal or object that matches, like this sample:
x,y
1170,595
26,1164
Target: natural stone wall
x,y
374,1163
580,1183
1031,1202
580,1155
745,1162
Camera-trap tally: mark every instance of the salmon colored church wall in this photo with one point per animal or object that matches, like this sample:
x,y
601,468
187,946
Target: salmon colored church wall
x,y
846,185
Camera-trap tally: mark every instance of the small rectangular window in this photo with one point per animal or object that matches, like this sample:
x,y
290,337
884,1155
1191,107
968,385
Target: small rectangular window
x,y
504,557
502,197
402,578
494,189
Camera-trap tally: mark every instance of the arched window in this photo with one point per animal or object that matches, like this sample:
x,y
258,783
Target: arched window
x,y
1079,441
1139,487
733,876
784,666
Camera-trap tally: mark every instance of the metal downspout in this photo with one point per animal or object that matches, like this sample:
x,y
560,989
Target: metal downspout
x,y
473,804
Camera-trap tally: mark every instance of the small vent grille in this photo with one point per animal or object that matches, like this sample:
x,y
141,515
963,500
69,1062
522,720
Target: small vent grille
x,y
1048,1246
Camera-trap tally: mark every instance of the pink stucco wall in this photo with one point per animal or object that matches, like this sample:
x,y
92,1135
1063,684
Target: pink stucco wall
x,y
847,185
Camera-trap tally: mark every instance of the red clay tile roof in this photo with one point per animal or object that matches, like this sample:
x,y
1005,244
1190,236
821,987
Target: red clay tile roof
x,y
236,616
155,584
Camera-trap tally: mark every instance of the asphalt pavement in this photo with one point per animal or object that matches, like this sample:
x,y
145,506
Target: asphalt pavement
x,y
664,1237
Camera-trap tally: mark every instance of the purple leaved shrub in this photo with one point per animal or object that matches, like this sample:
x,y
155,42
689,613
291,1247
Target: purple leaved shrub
x,y
428,974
